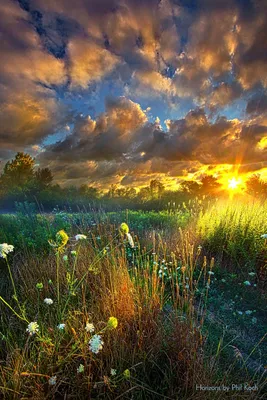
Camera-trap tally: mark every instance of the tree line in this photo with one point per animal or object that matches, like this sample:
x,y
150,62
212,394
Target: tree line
x,y
21,181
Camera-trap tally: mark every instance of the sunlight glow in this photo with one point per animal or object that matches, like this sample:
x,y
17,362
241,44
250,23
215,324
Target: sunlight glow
x,y
233,183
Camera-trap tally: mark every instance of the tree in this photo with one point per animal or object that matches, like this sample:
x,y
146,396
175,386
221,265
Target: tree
x,y
156,189
130,193
256,186
89,191
209,185
144,194
191,187
43,178
18,172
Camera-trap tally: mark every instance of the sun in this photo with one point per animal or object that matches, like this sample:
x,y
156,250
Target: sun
x,y
234,184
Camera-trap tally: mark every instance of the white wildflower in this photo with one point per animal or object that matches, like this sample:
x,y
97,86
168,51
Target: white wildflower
x,y
80,237
240,312
130,240
223,280
96,344
5,249
113,372
211,273
80,369
33,327
264,236
89,327
65,258
252,273
247,283
73,253
248,312
48,301
52,380
61,326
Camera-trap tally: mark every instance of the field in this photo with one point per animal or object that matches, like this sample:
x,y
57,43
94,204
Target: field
x,y
135,304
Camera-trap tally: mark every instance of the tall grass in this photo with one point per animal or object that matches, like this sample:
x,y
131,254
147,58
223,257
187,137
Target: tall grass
x,y
233,232
158,292
161,347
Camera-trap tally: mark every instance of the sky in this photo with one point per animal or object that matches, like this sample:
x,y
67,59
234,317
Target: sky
x,y
121,92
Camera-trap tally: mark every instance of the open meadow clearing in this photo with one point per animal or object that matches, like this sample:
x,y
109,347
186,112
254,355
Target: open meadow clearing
x,y
135,305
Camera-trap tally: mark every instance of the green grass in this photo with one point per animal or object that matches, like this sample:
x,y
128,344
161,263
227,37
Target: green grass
x,y
177,304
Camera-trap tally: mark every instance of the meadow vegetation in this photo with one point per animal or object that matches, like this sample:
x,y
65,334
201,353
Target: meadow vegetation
x,y
133,304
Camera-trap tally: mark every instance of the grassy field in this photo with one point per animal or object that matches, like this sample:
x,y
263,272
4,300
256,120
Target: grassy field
x,y
139,305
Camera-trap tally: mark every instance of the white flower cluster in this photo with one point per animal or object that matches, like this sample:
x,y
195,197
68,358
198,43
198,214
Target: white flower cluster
x,y
33,327
89,327
5,249
96,344
80,237
48,301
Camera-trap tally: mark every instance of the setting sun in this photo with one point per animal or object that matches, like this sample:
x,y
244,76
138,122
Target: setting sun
x,y
234,184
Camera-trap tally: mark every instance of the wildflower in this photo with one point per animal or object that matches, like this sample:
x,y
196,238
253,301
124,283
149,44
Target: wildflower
x,y
96,344
199,248
248,312
89,327
124,228
61,240
33,327
73,253
264,236
187,286
112,323
61,326
80,369
247,283
80,237
130,240
210,272
48,301
223,280
65,258
52,380
240,312
39,285
127,374
113,372
252,273
5,249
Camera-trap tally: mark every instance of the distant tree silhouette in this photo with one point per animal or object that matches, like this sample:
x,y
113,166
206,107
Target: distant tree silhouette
x,y
209,185
256,186
43,177
156,189
191,187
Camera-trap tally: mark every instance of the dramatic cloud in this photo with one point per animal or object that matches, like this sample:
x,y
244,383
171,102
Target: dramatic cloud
x,y
88,84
